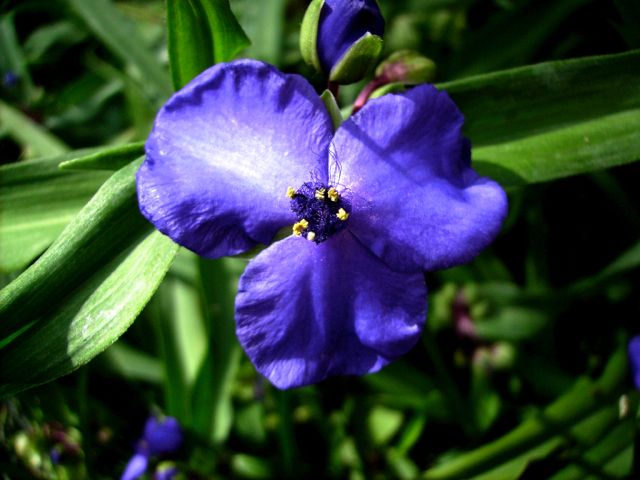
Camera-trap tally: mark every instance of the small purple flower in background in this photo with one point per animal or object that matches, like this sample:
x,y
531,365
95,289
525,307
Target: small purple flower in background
x,y
342,24
10,79
634,360
161,436
244,150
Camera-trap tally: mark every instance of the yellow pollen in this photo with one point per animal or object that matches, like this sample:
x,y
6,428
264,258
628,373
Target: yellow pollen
x,y
300,227
333,194
291,192
311,236
320,193
342,214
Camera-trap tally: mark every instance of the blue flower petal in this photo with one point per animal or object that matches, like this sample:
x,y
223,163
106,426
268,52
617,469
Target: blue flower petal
x,y
342,23
306,311
162,435
223,151
634,360
136,467
416,202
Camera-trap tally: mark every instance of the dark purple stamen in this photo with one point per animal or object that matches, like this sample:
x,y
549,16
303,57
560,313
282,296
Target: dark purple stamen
x,y
324,210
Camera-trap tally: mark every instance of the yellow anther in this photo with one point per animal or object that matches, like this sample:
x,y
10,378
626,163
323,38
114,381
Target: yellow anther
x,y
300,227
311,236
291,192
333,194
320,193
342,214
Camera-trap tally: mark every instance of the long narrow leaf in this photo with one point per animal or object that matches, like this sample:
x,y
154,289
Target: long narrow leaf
x,y
189,41
228,36
120,35
552,120
36,140
513,104
577,405
38,199
85,291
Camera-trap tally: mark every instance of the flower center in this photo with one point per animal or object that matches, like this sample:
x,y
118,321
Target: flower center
x,y
320,209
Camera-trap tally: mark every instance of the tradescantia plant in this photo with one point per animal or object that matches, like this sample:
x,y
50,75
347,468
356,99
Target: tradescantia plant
x,y
318,219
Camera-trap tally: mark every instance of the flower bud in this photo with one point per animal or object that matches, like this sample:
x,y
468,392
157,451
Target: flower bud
x,y
408,67
162,435
342,38
633,350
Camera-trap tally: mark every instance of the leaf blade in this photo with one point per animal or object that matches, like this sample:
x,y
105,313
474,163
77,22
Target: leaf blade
x,y
189,41
85,291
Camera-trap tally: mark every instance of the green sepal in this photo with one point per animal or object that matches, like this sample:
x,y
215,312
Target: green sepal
x,y
358,60
332,107
309,34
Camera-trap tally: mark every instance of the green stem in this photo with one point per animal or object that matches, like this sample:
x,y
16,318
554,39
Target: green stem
x,y
566,411
451,391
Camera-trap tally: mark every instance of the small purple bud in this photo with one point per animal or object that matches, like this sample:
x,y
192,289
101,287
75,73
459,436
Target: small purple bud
x,y
162,435
634,360
54,454
342,24
10,79
342,38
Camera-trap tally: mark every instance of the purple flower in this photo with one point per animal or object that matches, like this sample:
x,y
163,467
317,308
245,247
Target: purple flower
x,y
161,436
136,467
342,23
244,150
634,359
10,79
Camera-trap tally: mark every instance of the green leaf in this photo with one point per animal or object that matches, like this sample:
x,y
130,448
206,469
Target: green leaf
x,y
201,33
12,58
500,42
264,22
109,158
84,291
555,119
212,406
228,36
584,147
42,40
38,200
36,141
607,455
121,36
189,41
132,364
629,260
180,330
531,438
383,423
